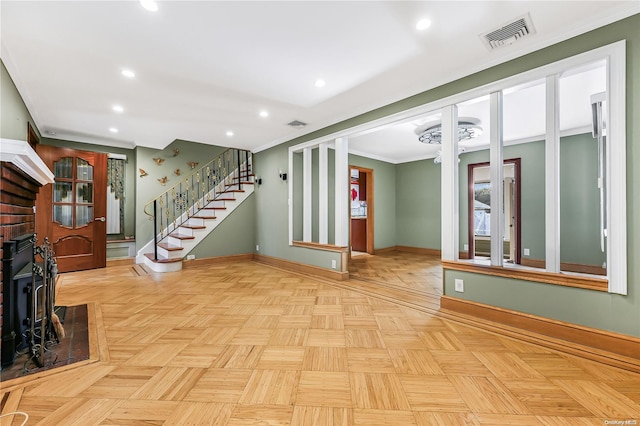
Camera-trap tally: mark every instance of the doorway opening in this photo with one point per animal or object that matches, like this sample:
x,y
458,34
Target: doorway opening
x,y
361,211
479,185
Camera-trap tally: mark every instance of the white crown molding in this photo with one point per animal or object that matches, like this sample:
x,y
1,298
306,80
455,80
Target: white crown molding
x,y
20,154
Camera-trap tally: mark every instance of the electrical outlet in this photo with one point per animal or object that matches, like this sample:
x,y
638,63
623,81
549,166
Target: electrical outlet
x,y
459,285
257,247
334,264
526,252
191,256
465,247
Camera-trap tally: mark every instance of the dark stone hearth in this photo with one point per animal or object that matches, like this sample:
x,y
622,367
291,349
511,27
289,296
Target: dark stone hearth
x,y
73,348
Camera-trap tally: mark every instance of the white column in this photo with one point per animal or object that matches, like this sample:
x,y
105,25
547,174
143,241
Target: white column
x,y
342,192
307,192
496,172
552,177
323,194
449,179
616,174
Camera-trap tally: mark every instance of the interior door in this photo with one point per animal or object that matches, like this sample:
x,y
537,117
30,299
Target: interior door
x,y
479,210
71,212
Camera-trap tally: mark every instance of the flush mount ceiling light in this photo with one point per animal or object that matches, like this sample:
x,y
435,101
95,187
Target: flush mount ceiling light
x,y
150,5
264,113
229,133
128,73
468,128
113,130
423,24
118,108
320,82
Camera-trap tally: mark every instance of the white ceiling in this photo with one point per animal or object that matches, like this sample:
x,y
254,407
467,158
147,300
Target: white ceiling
x,y
206,67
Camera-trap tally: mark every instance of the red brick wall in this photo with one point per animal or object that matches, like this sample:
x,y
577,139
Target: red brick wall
x,y
17,199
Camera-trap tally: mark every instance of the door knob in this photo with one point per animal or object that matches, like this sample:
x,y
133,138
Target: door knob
x,y
101,219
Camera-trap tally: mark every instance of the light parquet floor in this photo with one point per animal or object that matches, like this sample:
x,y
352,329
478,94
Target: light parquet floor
x,y
245,344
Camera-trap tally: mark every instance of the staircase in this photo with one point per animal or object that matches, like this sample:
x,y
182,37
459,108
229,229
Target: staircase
x,y
190,210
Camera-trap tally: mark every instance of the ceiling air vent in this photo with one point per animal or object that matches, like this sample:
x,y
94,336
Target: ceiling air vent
x,y
509,33
297,124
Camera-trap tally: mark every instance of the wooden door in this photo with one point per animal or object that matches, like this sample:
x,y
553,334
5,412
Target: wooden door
x,y
71,212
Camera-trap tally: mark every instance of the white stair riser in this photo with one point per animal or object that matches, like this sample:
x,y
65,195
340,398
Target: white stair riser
x,y
163,267
194,221
207,213
176,241
169,254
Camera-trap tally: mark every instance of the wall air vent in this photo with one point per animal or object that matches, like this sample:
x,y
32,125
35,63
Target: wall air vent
x,y
509,33
296,124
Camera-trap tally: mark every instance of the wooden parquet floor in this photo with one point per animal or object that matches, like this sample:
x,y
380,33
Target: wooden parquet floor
x,y
241,343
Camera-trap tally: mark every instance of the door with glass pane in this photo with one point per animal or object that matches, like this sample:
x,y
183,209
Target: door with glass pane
x,y
71,212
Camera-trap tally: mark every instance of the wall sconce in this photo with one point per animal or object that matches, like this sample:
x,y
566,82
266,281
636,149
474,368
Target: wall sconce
x,y
283,176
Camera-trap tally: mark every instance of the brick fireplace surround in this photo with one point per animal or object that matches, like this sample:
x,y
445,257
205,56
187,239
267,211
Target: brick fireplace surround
x,y
22,174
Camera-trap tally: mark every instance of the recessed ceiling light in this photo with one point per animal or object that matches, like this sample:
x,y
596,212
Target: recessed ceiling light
x,y
118,108
229,133
264,113
128,73
113,130
320,82
150,5
423,24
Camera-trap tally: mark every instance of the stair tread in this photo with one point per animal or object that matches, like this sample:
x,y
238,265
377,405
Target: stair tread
x,y
204,217
170,247
163,260
213,208
181,236
193,226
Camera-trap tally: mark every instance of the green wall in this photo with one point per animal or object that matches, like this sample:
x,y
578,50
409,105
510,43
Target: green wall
x,y
14,115
234,235
580,201
418,207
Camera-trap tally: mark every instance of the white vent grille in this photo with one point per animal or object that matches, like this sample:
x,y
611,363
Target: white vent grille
x,y
296,124
509,33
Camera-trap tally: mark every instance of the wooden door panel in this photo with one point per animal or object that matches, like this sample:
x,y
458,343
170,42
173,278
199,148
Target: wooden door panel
x,y
69,212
